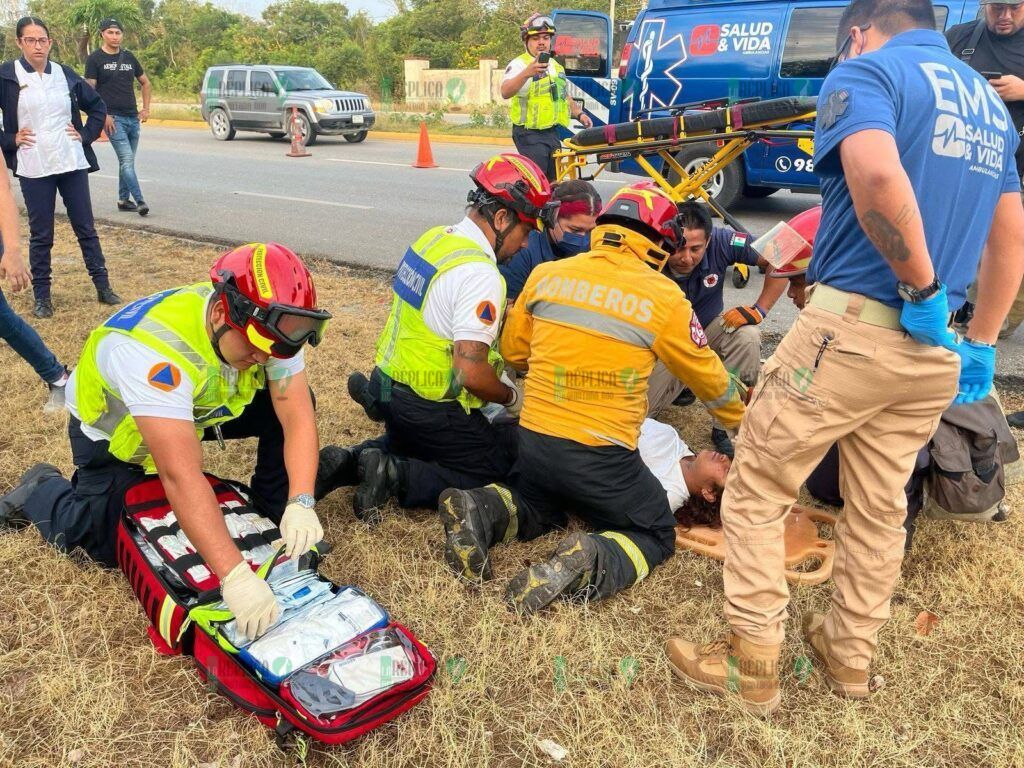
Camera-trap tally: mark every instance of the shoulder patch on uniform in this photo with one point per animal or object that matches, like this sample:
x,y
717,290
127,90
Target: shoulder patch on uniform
x,y
833,107
739,239
486,313
710,281
164,376
697,331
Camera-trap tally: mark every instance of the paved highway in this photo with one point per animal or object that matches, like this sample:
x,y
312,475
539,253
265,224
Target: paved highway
x,y
358,204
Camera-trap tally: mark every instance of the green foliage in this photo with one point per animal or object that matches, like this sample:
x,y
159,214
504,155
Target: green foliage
x,y
176,40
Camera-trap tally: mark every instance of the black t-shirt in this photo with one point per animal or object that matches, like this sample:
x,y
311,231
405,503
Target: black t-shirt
x,y
115,75
995,53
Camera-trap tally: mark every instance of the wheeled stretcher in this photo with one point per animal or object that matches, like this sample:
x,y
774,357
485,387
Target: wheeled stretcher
x,y
654,142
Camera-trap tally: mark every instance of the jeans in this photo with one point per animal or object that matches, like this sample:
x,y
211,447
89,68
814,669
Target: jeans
x,y
125,142
40,199
26,342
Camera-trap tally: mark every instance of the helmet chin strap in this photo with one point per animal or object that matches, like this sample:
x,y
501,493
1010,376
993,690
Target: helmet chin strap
x,y
499,237
215,336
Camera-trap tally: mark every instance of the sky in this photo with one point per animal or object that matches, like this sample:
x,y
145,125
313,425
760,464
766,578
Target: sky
x,y
376,9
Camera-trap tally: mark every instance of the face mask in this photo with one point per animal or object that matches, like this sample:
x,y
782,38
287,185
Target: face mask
x,y
573,243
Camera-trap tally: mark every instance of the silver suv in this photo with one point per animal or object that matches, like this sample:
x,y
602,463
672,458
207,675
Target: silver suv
x,y
246,98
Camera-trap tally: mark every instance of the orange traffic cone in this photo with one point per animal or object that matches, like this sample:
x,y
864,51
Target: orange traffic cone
x,y
298,148
424,157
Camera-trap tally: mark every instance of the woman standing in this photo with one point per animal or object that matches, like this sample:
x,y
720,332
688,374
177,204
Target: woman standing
x,y
48,149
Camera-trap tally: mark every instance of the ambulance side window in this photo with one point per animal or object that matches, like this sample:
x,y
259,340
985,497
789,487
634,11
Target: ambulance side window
x,y
581,44
811,40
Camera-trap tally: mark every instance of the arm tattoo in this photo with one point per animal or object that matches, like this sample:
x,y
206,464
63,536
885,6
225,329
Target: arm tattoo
x,y
886,237
904,215
471,351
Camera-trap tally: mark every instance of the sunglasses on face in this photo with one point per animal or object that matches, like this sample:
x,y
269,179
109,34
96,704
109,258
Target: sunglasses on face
x,y
843,50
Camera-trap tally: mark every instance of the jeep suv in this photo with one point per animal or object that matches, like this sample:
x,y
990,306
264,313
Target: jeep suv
x,y
246,98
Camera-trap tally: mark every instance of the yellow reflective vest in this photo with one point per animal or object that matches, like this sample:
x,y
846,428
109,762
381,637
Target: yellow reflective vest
x,y
173,323
543,102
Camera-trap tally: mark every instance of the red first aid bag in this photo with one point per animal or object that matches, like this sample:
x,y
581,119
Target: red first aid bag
x,y
341,694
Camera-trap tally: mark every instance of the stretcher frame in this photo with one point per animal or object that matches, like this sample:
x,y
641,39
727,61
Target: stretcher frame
x,y
573,158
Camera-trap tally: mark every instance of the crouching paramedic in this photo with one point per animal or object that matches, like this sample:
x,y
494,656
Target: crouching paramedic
x,y
437,362
589,330
220,359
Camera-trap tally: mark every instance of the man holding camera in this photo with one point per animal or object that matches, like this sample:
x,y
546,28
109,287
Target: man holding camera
x,y
537,87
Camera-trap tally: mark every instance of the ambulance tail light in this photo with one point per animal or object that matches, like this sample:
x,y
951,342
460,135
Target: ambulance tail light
x,y
627,49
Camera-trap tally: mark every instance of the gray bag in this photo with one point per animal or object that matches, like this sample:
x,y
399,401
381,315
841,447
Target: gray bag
x,y
969,453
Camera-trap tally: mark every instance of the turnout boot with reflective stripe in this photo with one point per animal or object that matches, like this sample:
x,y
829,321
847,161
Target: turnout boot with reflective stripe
x,y
730,666
567,573
473,522
842,680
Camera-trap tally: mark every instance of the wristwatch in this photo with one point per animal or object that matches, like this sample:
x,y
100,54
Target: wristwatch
x,y
917,295
303,499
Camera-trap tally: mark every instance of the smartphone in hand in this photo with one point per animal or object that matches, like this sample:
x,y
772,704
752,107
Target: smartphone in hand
x,y
543,57
991,75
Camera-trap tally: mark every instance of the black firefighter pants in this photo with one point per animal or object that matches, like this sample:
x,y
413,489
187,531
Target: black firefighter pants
x,y
84,511
443,446
610,488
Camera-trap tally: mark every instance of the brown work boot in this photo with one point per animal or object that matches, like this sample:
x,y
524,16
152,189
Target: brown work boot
x,y
730,665
841,680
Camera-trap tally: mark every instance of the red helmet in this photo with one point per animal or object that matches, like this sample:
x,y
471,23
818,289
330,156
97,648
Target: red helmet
x,y
647,204
268,295
806,225
537,24
517,183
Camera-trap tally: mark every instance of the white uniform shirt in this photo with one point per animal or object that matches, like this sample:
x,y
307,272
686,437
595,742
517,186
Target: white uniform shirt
x,y
516,66
661,449
44,105
148,387
462,304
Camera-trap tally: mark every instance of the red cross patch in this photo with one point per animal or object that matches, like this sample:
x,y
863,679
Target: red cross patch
x,y
710,281
697,332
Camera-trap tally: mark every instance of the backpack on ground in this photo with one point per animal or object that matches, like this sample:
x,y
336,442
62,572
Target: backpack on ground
x,y
333,666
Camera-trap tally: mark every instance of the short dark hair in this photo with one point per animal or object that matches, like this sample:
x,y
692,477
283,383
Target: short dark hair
x,y
28,21
890,17
577,190
694,215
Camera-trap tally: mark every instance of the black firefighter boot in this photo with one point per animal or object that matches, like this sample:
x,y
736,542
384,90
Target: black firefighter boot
x,y
337,468
474,521
570,572
380,479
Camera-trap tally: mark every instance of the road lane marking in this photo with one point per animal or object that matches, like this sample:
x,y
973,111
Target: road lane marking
x,y
305,200
393,165
103,176
461,170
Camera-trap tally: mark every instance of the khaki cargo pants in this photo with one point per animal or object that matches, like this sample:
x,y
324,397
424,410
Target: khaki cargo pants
x,y
879,394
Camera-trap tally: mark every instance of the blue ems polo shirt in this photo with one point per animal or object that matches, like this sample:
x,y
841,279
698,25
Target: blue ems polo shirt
x,y
956,143
704,286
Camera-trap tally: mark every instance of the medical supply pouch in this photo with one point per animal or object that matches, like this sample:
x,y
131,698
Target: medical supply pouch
x,y
163,568
335,634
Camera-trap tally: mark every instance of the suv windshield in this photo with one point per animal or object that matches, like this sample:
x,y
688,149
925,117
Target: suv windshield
x,y
302,80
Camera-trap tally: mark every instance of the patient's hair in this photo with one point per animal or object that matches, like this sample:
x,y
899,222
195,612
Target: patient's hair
x,y
697,510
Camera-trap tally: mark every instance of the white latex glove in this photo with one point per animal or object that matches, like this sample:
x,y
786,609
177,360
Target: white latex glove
x,y
300,528
516,406
250,599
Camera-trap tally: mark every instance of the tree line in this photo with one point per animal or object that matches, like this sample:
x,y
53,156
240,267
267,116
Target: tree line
x,y
176,40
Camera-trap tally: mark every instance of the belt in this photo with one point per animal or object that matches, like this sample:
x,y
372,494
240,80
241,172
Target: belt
x,y
842,303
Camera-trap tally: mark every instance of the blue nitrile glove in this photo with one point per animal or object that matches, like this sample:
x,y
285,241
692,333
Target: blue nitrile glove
x,y
977,368
928,321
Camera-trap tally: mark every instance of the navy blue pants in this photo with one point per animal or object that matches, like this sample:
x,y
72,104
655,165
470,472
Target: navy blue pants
x,y
538,145
84,511
444,446
41,200
607,486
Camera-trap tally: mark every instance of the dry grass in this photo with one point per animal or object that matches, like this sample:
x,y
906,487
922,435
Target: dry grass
x,y
81,685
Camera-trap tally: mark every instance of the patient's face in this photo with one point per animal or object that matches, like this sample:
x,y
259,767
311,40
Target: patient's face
x,y
709,470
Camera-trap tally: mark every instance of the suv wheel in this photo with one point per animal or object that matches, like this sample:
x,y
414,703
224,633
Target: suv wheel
x,y
306,130
725,186
355,138
220,126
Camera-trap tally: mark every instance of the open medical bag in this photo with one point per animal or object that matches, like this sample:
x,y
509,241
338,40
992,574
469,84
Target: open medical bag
x,y
333,666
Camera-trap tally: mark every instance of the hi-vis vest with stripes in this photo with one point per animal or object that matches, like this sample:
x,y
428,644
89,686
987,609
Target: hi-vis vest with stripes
x,y
407,350
173,323
544,103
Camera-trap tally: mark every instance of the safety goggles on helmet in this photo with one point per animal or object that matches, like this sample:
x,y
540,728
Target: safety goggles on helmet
x,y
278,329
538,25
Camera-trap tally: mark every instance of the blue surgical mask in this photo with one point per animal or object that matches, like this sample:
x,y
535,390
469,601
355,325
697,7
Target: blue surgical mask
x,y
573,243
